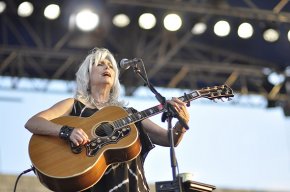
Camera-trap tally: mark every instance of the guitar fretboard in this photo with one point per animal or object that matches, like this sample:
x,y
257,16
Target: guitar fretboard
x,y
133,118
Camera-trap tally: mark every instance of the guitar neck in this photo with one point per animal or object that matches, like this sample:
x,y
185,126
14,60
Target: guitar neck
x,y
216,92
135,117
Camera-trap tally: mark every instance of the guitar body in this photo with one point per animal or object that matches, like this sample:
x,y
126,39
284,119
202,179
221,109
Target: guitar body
x,y
59,169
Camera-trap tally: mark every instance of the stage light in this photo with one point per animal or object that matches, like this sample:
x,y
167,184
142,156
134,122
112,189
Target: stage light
x,y
287,71
222,28
52,11
121,20
25,9
172,22
276,78
245,30
147,21
199,28
271,35
266,71
86,20
2,6
288,35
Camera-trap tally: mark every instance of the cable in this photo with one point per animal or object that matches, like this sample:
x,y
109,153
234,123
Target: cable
x,y
24,172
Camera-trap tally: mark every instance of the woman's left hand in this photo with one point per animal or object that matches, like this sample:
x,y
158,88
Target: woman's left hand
x,y
180,107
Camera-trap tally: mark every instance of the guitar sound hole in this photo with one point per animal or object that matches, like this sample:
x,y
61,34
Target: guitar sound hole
x,y
105,129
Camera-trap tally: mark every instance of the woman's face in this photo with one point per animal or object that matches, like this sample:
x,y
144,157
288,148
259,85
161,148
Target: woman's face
x,y
102,73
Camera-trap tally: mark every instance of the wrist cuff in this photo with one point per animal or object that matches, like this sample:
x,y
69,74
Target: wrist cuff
x,y
179,129
65,132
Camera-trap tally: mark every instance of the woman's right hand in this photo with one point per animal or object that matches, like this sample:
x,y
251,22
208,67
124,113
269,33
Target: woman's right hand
x,y
79,137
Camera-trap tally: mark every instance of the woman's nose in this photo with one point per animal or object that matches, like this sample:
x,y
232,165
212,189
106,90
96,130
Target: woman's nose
x,y
106,66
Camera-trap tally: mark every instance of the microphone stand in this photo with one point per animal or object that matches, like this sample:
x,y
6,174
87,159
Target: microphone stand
x,y
169,113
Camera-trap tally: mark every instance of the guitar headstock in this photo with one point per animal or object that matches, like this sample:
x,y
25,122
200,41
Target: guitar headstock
x,y
216,92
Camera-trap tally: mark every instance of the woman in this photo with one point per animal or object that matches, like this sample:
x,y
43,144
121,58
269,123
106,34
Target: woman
x,y
97,87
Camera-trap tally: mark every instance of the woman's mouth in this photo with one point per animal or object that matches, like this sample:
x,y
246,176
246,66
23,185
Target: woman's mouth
x,y
106,74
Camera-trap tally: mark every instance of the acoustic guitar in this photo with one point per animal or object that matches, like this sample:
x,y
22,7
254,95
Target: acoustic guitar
x,y
113,139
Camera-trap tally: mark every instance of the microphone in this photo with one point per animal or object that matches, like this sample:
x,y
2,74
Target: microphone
x,y
127,63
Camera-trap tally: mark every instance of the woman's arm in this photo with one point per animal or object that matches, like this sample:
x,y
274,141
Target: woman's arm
x,y
159,135
41,124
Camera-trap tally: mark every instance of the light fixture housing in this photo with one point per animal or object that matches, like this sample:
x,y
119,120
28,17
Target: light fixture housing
x,y
276,78
271,34
121,20
25,9
222,28
2,6
172,22
147,21
199,28
245,30
87,20
52,11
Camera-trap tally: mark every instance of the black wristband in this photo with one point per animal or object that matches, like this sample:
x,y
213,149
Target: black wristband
x,y
65,132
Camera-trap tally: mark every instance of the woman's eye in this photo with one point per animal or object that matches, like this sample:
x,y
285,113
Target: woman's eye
x,y
102,64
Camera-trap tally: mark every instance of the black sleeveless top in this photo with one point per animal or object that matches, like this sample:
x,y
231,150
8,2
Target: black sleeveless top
x,y
121,177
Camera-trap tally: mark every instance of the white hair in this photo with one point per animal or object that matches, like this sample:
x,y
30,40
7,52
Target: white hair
x,y
83,91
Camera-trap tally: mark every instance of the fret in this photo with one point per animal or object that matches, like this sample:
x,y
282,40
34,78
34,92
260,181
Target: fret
x,y
138,116
143,113
190,96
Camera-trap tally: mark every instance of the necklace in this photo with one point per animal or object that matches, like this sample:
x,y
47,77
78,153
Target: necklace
x,y
99,104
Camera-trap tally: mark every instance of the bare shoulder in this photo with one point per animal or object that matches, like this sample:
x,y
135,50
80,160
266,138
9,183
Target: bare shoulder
x,y
60,108
64,103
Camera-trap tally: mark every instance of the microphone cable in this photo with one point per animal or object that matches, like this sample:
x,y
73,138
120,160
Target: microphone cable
x,y
24,172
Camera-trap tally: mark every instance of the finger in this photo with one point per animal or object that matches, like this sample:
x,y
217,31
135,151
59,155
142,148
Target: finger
x,y
174,104
175,99
78,138
86,137
81,136
75,142
181,104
